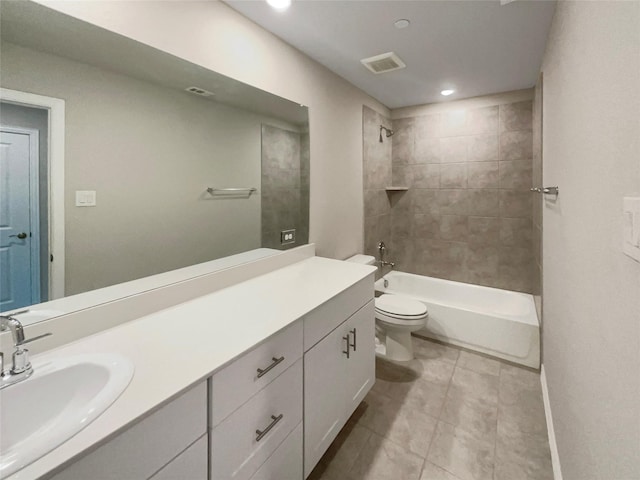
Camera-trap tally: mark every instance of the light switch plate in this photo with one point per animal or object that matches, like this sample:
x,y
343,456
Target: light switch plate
x,y
631,227
85,198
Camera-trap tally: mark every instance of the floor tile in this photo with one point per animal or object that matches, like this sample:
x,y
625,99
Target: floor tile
x,y
342,453
405,425
406,387
522,456
432,370
383,459
478,363
474,415
520,375
465,455
478,386
433,472
491,422
434,350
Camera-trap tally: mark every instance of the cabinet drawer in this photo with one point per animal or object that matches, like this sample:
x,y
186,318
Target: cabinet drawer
x,y
150,444
319,322
192,464
236,383
236,453
286,461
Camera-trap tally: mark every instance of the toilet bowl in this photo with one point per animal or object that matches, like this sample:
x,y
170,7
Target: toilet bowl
x,y
396,317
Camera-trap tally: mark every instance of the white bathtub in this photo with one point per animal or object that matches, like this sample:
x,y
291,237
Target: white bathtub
x,y
492,321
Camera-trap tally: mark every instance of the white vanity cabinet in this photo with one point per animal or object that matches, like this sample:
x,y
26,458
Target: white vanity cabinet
x,y
256,412
165,445
339,370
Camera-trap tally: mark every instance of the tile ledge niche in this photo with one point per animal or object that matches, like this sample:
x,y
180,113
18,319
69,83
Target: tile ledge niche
x,y
396,189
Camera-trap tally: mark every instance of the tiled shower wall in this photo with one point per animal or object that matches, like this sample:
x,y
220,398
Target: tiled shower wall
x,y
377,176
285,185
537,199
467,213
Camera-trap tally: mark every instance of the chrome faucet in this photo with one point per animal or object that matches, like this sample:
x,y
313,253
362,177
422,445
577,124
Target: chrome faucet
x,y
21,366
382,248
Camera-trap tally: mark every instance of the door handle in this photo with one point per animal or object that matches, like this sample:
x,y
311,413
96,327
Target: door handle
x,y
21,235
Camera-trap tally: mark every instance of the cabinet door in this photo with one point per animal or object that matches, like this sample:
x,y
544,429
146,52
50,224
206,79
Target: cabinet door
x,y
324,399
362,361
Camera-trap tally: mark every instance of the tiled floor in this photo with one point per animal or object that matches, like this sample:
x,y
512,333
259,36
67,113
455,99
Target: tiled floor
x,y
447,415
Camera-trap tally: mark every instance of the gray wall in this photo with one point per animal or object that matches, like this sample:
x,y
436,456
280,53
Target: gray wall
x,y
377,176
285,176
36,119
467,213
150,153
591,289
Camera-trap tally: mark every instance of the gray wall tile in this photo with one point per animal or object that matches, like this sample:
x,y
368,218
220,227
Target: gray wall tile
x,y
515,203
516,116
469,172
483,175
516,145
426,176
516,174
453,227
453,175
483,148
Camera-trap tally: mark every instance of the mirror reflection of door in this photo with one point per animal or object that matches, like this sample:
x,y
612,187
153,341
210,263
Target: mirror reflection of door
x,y
20,262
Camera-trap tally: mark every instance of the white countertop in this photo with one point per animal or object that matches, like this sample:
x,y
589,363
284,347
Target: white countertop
x,y
176,348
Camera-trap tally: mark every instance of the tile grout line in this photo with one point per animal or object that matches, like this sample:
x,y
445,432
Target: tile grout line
x,y
433,436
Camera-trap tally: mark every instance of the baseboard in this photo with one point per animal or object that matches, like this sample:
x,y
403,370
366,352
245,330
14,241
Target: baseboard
x,y
555,458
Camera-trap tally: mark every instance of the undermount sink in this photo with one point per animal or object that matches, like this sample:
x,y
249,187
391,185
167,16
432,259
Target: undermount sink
x,y
61,398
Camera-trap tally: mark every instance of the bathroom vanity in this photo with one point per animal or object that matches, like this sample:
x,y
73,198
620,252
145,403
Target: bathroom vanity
x,y
253,381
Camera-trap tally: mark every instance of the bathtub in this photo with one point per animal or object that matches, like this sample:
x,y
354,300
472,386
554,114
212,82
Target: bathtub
x,y
496,322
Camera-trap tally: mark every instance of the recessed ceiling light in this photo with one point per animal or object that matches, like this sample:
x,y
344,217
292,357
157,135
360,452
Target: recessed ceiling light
x,y
402,23
279,4
447,92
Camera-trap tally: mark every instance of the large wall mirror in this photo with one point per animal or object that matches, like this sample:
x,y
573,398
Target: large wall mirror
x,y
166,164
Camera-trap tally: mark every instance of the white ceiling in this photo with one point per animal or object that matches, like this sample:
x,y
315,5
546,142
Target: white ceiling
x,y
477,47
37,27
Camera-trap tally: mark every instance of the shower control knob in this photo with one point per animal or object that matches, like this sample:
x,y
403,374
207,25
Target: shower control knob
x,y
21,235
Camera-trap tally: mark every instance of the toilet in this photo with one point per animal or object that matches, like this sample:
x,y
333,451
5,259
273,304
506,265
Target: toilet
x,y
396,317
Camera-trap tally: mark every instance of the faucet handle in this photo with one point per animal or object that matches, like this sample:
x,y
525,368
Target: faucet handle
x,y
29,340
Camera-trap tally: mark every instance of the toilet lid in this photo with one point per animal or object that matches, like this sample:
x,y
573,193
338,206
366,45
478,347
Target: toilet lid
x,y
397,305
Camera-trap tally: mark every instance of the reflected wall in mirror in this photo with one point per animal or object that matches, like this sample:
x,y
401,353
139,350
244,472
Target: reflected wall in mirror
x,y
140,153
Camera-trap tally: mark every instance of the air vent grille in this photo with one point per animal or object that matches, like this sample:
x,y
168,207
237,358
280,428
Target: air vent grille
x,y
199,91
386,62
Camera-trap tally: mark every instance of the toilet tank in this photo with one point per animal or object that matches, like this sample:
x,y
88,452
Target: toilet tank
x,y
362,259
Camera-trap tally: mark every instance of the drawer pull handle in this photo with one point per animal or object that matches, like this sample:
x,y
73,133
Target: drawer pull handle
x,y
353,345
261,434
276,361
347,352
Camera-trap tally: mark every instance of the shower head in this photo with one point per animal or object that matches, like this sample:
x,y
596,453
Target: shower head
x,y
388,132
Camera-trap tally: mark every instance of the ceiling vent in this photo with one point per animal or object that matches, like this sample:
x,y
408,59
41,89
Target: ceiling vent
x,y
199,91
386,62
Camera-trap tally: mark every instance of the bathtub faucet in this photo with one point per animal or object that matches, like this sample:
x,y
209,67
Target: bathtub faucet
x,y
382,248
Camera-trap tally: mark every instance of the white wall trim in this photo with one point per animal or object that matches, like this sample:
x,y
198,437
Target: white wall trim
x,y
555,458
56,109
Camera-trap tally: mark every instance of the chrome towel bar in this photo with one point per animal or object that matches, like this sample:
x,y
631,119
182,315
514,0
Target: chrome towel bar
x,y
236,191
546,190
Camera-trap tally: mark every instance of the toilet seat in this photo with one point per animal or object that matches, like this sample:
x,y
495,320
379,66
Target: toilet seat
x,y
399,310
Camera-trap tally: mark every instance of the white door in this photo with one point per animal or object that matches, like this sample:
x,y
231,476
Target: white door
x,y
19,245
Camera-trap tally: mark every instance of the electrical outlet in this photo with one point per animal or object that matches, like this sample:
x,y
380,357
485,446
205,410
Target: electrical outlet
x,y
287,236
